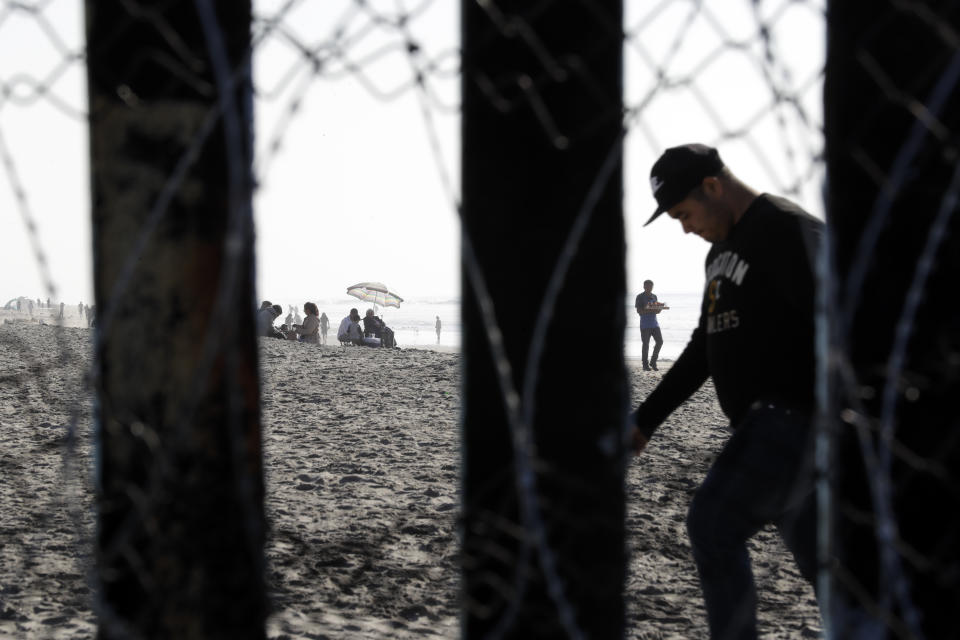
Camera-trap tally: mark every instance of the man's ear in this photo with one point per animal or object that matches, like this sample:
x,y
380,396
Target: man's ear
x,y
712,186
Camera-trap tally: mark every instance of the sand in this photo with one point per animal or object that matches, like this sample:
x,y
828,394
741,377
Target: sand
x,y
362,475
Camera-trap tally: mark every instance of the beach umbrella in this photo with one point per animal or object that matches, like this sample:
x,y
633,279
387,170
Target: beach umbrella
x,y
375,292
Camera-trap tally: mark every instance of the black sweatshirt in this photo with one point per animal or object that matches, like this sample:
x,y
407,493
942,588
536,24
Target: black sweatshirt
x,y
755,336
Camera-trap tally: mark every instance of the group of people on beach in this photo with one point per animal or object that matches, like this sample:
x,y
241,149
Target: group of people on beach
x,y
58,310
369,331
312,328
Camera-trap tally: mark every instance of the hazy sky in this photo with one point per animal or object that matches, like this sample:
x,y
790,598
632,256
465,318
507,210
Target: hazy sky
x,y
354,191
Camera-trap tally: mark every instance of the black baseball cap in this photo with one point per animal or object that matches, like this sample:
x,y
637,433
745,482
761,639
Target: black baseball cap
x,y
679,171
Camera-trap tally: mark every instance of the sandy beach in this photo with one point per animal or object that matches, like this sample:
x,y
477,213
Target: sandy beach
x,y
362,469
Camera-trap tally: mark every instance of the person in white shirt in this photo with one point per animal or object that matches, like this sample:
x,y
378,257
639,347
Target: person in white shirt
x,y
350,330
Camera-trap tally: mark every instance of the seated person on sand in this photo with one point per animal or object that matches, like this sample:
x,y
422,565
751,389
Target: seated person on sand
x,y
350,331
377,328
272,331
310,329
372,325
265,318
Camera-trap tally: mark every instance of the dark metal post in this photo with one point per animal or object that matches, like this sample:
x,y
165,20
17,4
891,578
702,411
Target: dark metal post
x,y
892,122
180,491
543,482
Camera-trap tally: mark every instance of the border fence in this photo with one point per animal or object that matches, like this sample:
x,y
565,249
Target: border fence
x,y
574,100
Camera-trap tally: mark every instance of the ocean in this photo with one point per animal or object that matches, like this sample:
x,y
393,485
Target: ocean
x,y
676,325
413,323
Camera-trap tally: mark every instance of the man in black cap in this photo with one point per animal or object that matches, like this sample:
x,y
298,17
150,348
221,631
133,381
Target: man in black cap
x,y
755,339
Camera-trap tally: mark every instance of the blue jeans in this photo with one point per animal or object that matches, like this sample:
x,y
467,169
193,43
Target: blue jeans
x,y
764,474
645,335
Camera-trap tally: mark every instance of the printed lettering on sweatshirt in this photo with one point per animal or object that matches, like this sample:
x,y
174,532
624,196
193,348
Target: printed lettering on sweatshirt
x,y
733,268
729,265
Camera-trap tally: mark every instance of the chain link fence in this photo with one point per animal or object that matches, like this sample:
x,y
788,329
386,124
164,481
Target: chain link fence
x,y
746,77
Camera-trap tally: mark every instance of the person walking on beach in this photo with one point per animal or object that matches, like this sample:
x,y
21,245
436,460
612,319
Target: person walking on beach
x,y
755,339
438,329
324,326
648,307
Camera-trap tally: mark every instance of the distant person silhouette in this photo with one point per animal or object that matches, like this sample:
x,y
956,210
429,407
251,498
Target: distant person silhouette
x,y
60,317
648,307
438,329
324,325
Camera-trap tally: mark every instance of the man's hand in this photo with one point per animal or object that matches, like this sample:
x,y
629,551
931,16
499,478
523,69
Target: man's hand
x,y
638,441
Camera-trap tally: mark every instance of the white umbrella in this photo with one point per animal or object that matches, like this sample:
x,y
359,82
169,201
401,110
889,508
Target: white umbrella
x,y
375,292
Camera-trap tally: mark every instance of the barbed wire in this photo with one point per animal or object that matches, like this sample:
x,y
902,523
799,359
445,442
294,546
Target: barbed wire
x,y
362,36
